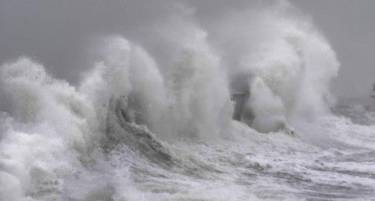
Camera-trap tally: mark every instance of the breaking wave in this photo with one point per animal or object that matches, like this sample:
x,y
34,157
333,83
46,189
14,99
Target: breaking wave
x,y
139,129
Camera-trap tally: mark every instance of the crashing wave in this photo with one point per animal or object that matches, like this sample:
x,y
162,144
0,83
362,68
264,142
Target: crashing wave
x,y
131,115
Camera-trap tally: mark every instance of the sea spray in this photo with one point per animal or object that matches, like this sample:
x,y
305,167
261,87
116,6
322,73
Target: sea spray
x,y
129,75
194,98
136,128
286,52
51,131
267,108
200,90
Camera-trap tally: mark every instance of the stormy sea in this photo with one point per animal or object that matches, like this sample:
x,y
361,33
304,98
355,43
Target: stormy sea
x,y
236,110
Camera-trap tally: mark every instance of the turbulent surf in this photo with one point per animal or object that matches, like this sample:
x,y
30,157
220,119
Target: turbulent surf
x,y
151,123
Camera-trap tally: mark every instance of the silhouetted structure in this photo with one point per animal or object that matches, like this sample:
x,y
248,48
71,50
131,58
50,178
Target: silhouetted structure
x,y
239,100
373,92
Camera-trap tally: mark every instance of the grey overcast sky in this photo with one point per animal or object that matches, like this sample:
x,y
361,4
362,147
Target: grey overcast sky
x,y
349,25
55,32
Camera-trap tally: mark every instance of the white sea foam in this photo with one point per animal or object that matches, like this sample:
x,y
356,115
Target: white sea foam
x,y
136,128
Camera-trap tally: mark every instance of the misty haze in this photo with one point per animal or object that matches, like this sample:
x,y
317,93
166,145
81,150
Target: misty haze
x,y
210,100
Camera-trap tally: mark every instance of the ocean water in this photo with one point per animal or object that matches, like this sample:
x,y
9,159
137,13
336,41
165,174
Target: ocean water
x,y
134,129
